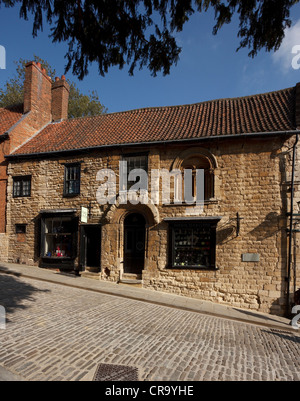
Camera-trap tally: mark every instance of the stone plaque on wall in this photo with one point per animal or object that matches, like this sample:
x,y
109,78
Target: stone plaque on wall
x,y
250,257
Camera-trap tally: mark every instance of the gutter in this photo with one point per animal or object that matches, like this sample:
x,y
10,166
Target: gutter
x,y
135,144
288,278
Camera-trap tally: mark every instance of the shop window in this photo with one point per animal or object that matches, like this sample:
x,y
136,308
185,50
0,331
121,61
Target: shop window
x,y
21,186
72,180
193,245
58,237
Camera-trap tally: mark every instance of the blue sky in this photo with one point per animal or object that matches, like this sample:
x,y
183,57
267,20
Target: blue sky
x,y
209,66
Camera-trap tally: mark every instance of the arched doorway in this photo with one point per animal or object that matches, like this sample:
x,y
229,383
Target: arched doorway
x,y
134,243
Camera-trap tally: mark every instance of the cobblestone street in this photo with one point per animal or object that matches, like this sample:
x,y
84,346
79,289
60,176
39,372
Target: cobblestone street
x,y
60,333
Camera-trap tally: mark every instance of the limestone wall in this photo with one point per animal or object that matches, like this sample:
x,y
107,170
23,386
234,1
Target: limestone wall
x,y
251,178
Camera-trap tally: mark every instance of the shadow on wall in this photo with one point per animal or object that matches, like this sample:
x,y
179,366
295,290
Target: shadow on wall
x,y
226,232
267,228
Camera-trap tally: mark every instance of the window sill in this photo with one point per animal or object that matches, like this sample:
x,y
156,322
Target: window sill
x,y
211,201
71,195
56,257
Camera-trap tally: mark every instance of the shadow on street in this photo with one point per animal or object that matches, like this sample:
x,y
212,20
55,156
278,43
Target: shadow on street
x,y
14,292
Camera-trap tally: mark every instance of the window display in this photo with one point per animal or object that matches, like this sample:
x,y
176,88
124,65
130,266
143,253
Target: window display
x,y
193,245
58,237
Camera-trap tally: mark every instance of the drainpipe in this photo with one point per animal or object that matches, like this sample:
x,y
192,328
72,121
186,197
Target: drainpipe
x,y
288,311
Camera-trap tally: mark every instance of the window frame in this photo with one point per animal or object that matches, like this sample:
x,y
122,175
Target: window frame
x,y
68,180
129,184
193,164
210,225
22,179
57,234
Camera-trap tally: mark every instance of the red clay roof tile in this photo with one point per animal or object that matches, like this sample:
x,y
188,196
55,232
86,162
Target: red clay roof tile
x,y
9,116
269,112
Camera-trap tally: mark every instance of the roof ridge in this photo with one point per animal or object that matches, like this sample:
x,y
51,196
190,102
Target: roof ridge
x,y
155,108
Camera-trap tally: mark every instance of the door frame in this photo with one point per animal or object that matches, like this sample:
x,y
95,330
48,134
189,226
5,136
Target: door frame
x,y
83,245
124,242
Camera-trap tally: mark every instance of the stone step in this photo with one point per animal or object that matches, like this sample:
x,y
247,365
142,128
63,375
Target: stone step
x,y
131,279
131,276
86,274
135,283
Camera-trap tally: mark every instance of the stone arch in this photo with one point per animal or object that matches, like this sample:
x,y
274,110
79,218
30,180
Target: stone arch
x,y
197,151
198,158
117,212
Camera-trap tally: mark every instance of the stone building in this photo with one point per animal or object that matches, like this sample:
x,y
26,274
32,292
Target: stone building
x,y
231,248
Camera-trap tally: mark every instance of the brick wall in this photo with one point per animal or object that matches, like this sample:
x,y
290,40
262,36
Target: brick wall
x,y
3,247
60,99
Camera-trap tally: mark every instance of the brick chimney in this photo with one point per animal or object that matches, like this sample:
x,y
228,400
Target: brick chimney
x,y
37,95
60,99
297,105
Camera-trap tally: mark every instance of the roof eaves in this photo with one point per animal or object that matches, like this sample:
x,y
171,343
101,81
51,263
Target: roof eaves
x,y
117,145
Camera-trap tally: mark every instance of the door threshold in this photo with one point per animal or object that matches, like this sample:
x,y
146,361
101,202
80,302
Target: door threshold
x,y
131,276
87,274
135,283
131,279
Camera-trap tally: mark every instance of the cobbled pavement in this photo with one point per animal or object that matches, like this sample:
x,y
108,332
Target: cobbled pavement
x,y
57,333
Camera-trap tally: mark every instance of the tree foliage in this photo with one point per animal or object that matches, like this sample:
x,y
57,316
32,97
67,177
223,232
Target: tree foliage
x,y
142,32
80,105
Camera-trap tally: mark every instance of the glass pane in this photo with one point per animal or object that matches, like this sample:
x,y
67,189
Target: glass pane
x,y
72,182
135,162
58,246
17,188
26,188
58,236
192,246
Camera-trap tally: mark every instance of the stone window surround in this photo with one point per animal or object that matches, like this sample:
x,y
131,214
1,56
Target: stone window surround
x,y
214,171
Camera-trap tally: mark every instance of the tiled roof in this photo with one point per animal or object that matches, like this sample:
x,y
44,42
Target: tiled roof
x,y
269,112
9,116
